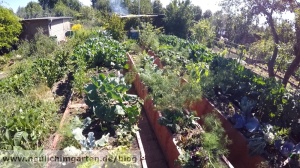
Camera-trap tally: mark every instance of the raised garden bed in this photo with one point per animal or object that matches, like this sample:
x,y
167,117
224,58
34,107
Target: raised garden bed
x,y
165,138
239,151
271,94
78,107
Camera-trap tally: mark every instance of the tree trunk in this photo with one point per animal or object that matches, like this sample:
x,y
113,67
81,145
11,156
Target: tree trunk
x,y
292,68
295,64
272,61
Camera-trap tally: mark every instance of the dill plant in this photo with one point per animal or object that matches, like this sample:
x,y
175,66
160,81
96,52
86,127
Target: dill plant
x,y
203,148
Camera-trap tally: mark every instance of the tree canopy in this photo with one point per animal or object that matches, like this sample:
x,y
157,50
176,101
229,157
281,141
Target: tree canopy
x,y
10,28
178,18
157,7
279,35
33,10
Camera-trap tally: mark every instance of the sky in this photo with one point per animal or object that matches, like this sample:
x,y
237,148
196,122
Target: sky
x,y
14,4
204,4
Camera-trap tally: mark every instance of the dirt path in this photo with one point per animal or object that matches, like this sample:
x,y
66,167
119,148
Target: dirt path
x,y
154,155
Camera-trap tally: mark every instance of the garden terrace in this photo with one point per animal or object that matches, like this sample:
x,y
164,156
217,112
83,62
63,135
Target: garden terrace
x,y
93,102
233,91
165,130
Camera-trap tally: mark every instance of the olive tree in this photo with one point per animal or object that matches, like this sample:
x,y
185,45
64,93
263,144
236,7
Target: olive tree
x,y
267,8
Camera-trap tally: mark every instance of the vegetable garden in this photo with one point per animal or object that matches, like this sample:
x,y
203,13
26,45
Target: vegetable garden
x,y
201,103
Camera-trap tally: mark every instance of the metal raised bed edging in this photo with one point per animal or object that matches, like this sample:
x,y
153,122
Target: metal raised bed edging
x,y
143,156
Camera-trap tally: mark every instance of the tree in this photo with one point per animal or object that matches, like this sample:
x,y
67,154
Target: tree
x,y
21,12
10,28
219,22
48,4
207,14
203,32
33,10
101,5
87,13
60,9
72,4
157,7
115,26
145,7
267,8
197,12
295,63
178,18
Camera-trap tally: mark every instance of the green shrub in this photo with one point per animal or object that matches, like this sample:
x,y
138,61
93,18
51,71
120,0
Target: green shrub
x,y
115,26
21,79
52,69
203,32
81,36
149,36
25,122
167,89
41,46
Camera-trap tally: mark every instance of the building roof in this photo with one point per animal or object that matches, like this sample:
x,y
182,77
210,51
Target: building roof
x,y
137,16
47,18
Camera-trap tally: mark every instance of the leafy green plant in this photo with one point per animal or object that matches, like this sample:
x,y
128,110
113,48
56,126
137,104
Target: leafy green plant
x,y
86,143
80,76
174,41
149,36
172,58
66,132
203,149
89,142
177,121
108,99
52,69
200,53
203,31
20,81
167,90
101,51
26,123
115,26
197,71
